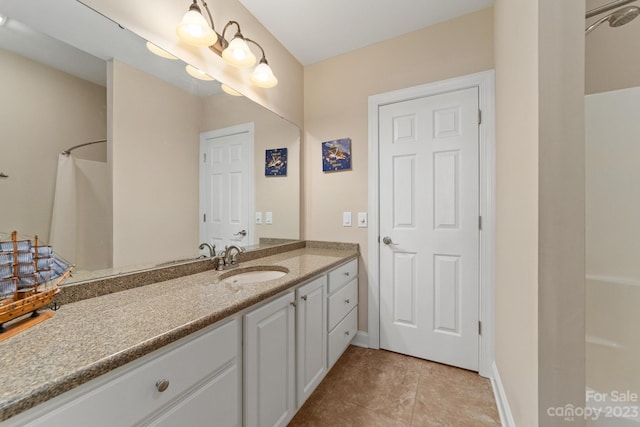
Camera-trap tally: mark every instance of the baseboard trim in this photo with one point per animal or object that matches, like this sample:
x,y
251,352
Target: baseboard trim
x,y
506,418
361,339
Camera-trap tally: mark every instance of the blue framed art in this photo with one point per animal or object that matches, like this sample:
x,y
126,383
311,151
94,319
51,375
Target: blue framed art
x,y
336,155
275,162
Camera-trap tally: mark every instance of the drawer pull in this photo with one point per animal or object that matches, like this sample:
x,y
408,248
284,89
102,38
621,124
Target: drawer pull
x,y
346,333
293,303
346,274
347,301
304,297
162,385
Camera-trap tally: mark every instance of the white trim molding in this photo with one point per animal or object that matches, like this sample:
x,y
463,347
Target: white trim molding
x,y
506,418
361,339
485,82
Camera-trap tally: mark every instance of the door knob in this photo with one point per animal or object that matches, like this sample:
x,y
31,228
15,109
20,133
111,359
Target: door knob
x,y
387,241
242,233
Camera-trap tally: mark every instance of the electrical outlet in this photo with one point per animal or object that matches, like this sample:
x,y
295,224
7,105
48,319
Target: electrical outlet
x,y
268,218
362,219
258,217
346,219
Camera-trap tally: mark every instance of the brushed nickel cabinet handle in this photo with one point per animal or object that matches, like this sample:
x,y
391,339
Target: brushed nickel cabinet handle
x,y
304,297
347,333
347,301
293,303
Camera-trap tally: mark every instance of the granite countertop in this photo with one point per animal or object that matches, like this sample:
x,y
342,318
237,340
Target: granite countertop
x,y
88,338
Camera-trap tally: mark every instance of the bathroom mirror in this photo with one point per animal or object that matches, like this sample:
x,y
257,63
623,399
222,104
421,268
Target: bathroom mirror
x,y
136,202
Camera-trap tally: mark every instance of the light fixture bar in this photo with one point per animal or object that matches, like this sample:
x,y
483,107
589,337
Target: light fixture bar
x,y
195,31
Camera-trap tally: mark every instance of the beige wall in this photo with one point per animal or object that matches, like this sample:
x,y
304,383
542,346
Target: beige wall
x,y
43,111
156,20
611,59
336,94
279,195
516,316
540,206
154,147
561,246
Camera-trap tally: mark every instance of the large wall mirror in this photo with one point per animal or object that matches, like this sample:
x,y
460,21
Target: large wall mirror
x,y
149,194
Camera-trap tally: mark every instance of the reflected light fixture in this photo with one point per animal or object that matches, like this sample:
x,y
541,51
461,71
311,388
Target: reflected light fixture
x,y
230,91
198,73
159,51
193,28
3,19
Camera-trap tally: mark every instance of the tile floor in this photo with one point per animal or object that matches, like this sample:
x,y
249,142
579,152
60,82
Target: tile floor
x,y
371,388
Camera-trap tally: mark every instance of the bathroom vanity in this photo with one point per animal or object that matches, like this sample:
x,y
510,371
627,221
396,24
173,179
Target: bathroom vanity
x,y
201,349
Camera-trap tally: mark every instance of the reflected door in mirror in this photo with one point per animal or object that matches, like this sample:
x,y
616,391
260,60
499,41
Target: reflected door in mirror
x,y
226,186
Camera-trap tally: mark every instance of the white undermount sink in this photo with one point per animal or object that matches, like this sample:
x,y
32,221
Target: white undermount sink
x,y
253,275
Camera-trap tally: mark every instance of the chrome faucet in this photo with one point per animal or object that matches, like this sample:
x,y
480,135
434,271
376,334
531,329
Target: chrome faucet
x,y
230,258
219,262
212,249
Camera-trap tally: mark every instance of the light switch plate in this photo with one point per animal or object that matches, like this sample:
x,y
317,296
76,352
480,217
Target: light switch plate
x,y
362,219
258,217
346,219
268,218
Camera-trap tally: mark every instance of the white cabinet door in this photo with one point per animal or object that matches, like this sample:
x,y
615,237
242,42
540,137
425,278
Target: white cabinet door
x,y
270,363
311,318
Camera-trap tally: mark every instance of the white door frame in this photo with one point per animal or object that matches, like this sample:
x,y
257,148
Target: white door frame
x,y
485,82
244,128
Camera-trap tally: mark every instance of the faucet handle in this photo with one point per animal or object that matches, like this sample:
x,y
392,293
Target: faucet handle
x,y
220,262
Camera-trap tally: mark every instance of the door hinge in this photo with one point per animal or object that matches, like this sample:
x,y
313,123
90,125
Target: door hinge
x,y
378,239
479,327
204,217
479,117
480,223
204,157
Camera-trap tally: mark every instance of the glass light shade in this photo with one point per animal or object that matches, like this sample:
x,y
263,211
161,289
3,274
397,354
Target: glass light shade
x,y
159,51
263,76
230,91
238,54
198,74
194,30
3,19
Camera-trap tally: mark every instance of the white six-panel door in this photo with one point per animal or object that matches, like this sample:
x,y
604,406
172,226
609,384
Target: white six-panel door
x,y
429,214
226,186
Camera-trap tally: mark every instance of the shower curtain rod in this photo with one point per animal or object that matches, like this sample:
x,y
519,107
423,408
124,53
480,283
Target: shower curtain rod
x,y
68,151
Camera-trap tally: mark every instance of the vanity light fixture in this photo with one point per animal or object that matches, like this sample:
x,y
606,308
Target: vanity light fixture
x,y
159,51
197,73
194,30
230,91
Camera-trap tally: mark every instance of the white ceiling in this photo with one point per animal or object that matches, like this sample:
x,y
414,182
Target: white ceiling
x,y
314,30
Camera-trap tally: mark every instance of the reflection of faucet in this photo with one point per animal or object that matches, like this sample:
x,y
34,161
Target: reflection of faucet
x,y
212,249
231,259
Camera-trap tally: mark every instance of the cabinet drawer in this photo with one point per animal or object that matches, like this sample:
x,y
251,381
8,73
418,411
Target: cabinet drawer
x,y
342,275
342,335
132,395
342,302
